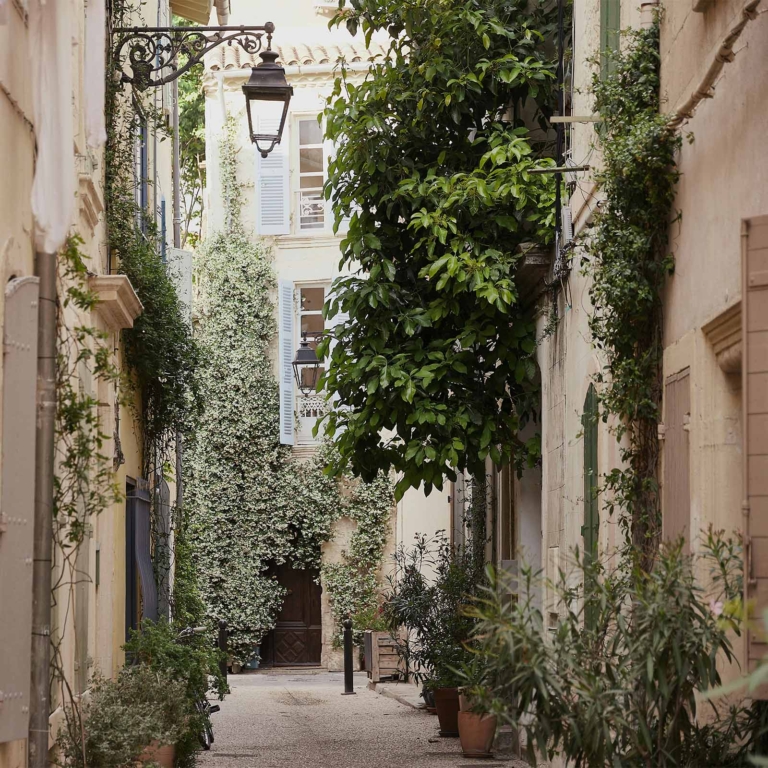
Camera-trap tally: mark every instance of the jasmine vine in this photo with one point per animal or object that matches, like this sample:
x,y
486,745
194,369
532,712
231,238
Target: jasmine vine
x,y
251,504
628,260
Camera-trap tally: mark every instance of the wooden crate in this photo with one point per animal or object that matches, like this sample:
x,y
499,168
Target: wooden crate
x,y
382,661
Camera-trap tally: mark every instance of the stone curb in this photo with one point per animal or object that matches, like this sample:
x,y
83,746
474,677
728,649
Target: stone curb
x,y
382,690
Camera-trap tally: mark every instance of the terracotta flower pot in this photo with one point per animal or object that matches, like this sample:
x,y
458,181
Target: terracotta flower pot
x,y
162,755
476,733
447,705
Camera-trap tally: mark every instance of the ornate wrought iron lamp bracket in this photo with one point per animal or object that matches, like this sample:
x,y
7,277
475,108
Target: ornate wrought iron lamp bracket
x,y
152,50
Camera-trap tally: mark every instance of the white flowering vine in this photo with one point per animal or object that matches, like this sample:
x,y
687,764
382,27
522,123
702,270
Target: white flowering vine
x,y
251,505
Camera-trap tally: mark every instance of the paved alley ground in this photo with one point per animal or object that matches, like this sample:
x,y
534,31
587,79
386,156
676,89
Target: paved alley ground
x,y
298,720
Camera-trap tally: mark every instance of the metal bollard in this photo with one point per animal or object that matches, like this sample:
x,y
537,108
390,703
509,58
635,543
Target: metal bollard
x,y
349,688
223,648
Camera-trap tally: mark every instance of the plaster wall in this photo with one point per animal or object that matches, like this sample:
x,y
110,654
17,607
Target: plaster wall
x,y
429,516
105,617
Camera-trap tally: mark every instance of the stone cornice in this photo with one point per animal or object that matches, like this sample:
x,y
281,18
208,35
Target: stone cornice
x,y
724,334
118,303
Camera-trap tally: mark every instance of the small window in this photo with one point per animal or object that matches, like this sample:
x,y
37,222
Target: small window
x,y
311,176
610,33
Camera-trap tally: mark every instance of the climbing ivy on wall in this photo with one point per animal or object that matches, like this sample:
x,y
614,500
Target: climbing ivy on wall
x,y
628,260
251,505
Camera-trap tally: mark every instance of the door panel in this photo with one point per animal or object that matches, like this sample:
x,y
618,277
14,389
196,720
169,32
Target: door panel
x,y
677,484
754,307
297,637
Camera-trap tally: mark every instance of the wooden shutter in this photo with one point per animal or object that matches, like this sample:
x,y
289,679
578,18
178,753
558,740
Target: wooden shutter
x,y
17,504
274,199
143,551
286,343
755,431
677,484
82,611
591,525
610,26
591,519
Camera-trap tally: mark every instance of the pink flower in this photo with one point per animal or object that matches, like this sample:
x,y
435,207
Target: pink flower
x,y
716,607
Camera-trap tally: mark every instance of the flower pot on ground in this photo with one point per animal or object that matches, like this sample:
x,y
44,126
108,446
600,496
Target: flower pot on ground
x,y
162,754
476,733
428,694
447,705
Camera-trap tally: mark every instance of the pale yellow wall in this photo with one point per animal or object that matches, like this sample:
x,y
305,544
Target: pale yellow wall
x,y
106,619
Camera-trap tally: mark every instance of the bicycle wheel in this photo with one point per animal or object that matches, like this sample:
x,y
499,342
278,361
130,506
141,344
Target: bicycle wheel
x,y
206,734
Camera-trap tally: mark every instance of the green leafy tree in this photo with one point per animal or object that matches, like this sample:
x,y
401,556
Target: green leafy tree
x,y
192,153
435,364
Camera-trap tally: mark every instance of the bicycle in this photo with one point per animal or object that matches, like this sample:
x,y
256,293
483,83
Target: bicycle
x,y
202,705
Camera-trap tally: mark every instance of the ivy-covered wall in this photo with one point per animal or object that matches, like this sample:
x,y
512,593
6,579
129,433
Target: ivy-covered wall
x,y
251,504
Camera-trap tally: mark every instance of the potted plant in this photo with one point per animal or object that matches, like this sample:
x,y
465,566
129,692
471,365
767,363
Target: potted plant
x,y
477,728
432,611
428,694
136,718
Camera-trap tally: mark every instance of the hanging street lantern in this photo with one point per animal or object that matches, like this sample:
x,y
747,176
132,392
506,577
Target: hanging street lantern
x,y
306,367
268,86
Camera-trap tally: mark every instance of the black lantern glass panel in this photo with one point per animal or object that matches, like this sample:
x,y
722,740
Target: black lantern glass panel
x,y
267,96
306,367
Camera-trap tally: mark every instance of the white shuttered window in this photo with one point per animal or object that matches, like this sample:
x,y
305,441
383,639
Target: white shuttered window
x,y
273,200
286,344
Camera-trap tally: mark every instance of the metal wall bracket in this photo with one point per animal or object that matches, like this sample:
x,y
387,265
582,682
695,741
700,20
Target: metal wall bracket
x,y
151,51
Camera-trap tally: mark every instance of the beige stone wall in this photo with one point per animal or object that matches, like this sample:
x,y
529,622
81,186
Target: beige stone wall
x,y
724,180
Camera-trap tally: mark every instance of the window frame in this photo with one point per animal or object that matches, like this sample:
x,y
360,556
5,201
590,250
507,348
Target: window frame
x,y
321,225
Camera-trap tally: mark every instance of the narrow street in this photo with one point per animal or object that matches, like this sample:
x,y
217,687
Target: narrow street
x,y
273,720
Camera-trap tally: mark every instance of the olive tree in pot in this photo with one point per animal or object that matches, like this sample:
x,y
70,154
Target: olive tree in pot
x,y
432,612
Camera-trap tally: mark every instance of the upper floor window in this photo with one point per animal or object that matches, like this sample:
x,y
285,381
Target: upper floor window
x,y
311,174
610,34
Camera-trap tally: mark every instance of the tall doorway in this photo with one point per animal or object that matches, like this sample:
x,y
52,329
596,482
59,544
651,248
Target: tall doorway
x,y
296,639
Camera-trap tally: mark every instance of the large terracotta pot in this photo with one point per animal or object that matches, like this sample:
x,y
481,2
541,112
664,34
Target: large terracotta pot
x,y
162,755
447,705
476,733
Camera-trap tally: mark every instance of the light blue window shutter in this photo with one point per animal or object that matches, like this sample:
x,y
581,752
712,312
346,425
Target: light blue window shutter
x,y
286,344
274,197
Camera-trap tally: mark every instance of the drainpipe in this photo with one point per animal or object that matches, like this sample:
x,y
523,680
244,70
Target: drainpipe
x,y
45,269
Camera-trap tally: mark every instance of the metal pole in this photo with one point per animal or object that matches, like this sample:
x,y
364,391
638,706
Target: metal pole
x,y
223,648
45,269
176,169
349,688
177,244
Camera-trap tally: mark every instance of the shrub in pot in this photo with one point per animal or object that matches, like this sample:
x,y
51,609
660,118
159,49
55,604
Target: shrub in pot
x,y
193,662
477,728
433,613
123,721
619,679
